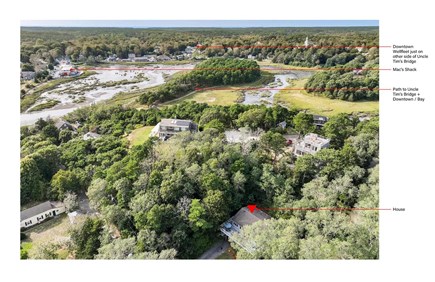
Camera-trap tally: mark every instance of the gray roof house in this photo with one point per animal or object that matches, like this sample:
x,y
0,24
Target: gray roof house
x,y
61,124
27,75
39,213
169,127
242,218
319,121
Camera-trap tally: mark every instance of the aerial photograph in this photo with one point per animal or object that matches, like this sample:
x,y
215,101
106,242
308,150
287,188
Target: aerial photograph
x,y
175,139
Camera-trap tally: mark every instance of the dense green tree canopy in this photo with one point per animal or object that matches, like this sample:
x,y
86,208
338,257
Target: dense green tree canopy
x,y
168,199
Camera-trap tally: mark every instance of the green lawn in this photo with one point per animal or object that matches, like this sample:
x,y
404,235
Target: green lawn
x,y
140,135
55,230
46,105
212,97
224,97
321,105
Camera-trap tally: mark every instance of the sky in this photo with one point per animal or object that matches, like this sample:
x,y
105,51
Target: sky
x,y
198,23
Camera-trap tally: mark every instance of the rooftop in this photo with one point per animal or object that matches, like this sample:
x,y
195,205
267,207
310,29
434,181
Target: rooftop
x,y
242,218
60,123
313,138
245,217
322,118
91,135
36,210
175,122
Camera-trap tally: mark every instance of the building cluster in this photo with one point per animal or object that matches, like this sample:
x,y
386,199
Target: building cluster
x,y
154,58
65,69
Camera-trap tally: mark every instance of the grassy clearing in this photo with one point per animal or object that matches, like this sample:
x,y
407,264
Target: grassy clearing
x,y
124,98
46,105
321,105
55,230
223,97
28,100
140,135
212,97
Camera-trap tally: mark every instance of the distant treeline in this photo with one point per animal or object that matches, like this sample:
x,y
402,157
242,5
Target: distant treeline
x,y
357,79
94,44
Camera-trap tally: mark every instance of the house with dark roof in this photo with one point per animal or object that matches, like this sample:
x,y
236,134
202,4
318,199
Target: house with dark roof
x,y
61,125
319,121
169,127
39,213
242,218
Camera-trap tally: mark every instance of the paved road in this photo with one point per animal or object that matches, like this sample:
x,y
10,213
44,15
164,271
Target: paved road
x,y
216,250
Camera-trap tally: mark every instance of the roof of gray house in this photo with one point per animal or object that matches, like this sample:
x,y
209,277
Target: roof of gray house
x,y
28,74
91,135
36,210
322,118
175,122
60,123
245,217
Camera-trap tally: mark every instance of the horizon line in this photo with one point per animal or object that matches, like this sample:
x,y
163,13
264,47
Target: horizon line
x,y
200,23
168,27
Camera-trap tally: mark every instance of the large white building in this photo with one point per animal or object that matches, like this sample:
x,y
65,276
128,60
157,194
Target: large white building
x,y
39,213
311,144
169,127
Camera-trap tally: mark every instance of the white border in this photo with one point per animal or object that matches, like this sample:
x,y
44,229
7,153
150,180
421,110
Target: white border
x,y
407,150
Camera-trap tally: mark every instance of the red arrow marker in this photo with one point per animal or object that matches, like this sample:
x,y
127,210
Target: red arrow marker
x,y
252,208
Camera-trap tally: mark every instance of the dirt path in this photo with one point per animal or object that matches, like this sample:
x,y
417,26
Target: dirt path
x,y
216,250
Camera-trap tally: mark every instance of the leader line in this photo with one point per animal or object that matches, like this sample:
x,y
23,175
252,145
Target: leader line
x,y
186,69
300,89
252,208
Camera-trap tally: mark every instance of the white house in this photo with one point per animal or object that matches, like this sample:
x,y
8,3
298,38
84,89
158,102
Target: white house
x,y
311,144
91,135
189,49
27,75
169,127
146,58
163,58
242,135
39,213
